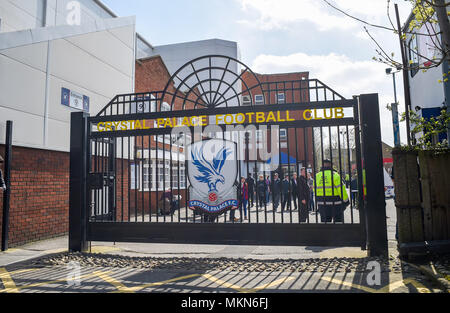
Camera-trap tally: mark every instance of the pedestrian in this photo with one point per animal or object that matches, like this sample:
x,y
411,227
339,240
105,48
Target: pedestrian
x,y
276,184
354,188
294,189
331,195
167,204
251,189
268,189
2,181
261,191
311,194
304,193
243,200
285,193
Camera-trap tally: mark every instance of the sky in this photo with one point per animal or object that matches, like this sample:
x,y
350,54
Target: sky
x,y
287,36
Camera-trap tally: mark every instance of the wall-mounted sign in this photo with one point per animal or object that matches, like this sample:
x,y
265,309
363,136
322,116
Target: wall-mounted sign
x,y
74,100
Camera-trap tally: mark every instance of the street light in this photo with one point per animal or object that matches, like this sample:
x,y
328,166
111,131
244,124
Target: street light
x,y
395,123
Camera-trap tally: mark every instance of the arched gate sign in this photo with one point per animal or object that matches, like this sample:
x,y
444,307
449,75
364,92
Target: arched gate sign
x,y
166,166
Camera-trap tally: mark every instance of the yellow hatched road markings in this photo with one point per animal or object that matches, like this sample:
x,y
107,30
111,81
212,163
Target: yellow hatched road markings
x,y
246,290
389,288
8,282
11,286
160,283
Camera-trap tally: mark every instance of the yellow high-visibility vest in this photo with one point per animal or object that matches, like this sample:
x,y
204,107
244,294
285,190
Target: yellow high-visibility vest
x,y
331,188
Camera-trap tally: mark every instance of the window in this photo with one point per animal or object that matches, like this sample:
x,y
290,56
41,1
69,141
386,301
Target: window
x,y
283,134
280,98
147,175
246,100
259,99
413,56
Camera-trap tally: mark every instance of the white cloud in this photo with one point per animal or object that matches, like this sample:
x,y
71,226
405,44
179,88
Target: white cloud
x,y
346,76
280,14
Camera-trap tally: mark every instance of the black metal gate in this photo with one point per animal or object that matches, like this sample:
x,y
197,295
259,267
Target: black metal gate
x,y
125,160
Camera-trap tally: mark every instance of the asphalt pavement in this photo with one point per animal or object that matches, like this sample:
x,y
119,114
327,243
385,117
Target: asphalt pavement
x,y
46,266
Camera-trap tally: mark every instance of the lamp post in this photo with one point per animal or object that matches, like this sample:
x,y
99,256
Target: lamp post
x,y
394,110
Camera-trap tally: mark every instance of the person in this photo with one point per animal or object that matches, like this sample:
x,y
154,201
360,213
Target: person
x,y
261,191
354,188
276,191
170,203
268,189
331,196
251,189
285,193
311,193
294,189
304,193
243,200
2,181
347,180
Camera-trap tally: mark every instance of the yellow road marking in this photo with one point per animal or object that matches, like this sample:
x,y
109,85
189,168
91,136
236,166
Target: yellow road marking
x,y
12,250
246,290
140,287
386,289
352,285
104,249
121,287
7,281
224,283
273,284
51,282
392,286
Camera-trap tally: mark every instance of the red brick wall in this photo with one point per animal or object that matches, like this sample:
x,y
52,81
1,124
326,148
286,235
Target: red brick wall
x,y
39,205
39,195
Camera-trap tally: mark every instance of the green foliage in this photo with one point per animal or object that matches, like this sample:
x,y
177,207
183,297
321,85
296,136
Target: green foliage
x,y
430,129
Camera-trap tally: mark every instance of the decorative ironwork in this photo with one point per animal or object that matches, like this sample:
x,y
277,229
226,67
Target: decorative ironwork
x,y
217,81
211,81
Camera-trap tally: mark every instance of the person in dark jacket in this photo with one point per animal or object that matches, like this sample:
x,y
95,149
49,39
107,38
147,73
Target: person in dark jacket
x,y
2,181
294,190
251,190
285,192
261,191
304,194
276,184
243,200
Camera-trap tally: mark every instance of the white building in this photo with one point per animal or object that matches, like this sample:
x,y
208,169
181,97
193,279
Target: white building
x,y
56,57
428,91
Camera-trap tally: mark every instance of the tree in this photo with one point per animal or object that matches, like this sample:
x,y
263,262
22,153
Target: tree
x,y
430,20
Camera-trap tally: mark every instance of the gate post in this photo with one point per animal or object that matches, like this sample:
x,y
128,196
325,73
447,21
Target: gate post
x,y
375,205
77,185
7,192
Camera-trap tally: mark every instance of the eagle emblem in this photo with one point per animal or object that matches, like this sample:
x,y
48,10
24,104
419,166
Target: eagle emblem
x,y
210,171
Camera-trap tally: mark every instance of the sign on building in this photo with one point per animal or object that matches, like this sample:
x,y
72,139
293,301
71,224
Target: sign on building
x,y
74,100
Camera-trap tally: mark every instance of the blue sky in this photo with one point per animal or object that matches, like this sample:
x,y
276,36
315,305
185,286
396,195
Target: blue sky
x,y
285,36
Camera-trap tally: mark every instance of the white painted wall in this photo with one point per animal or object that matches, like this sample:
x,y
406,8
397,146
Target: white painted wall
x,y
426,91
21,14
98,64
26,14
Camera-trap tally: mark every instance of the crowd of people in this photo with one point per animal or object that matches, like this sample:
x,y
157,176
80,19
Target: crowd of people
x,y
291,193
296,192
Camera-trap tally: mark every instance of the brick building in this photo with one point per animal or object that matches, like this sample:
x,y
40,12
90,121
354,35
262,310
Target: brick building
x,y
295,145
